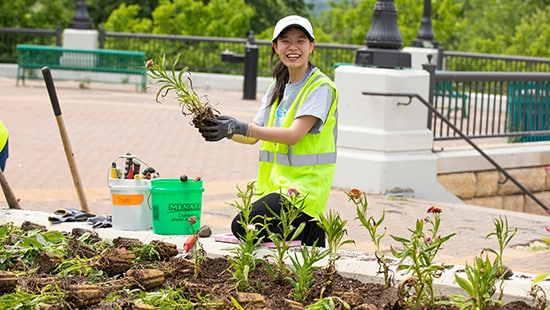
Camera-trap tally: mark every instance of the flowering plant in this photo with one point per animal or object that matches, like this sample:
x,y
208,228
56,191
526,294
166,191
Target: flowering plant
x,y
372,225
417,258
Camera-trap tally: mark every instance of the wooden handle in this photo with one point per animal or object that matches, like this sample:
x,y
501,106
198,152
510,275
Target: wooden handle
x,y
46,73
10,197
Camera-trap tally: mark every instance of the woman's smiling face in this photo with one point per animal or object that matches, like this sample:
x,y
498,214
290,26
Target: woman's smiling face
x,y
293,48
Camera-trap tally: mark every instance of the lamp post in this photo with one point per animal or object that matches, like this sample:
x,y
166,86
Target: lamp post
x,y
81,19
425,35
383,40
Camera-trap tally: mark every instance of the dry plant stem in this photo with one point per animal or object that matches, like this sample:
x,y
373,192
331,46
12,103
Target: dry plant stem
x,y
181,84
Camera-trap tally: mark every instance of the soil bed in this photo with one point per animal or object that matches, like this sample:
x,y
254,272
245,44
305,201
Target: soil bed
x,y
117,275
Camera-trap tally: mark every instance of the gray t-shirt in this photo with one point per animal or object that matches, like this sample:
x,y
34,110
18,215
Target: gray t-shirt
x,y
317,104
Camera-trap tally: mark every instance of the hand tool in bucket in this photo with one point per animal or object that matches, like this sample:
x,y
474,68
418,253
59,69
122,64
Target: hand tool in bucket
x,y
46,73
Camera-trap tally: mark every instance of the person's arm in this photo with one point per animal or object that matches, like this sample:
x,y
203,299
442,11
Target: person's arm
x,y
291,135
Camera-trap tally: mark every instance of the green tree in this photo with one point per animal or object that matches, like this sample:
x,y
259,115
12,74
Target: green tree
x,y
348,21
268,12
126,18
42,14
487,26
100,10
219,18
532,35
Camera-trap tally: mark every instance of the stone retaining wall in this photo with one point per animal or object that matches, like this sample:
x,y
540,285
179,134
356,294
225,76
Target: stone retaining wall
x,y
489,188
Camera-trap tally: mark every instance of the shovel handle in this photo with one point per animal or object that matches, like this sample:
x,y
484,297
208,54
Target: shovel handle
x,y
47,74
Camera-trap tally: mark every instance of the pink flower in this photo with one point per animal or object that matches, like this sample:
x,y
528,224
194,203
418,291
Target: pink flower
x,y
547,228
251,227
428,239
293,192
149,63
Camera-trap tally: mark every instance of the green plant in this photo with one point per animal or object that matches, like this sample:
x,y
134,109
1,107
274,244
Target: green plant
x,y
334,227
172,80
174,299
482,276
199,254
85,267
504,235
479,285
302,270
20,247
361,204
47,296
537,292
244,260
328,303
417,258
145,252
292,206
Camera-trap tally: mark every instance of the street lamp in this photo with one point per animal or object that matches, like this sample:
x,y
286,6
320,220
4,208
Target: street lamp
x,y
425,35
81,19
383,40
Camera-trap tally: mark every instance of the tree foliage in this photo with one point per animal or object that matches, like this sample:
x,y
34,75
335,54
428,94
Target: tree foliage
x,y
42,14
100,10
219,18
518,27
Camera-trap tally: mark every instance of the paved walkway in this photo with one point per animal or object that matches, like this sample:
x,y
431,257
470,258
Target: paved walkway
x,y
105,121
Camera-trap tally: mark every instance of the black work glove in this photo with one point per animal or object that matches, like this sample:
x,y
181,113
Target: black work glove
x,y
222,127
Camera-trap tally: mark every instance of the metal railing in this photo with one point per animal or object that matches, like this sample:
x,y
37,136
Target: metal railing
x,y
466,138
460,61
203,54
10,37
479,103
492,104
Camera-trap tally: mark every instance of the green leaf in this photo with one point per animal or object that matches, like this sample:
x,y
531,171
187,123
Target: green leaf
x,y
540,277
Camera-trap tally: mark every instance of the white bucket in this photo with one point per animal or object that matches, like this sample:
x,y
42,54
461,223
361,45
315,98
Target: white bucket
x,y
130,207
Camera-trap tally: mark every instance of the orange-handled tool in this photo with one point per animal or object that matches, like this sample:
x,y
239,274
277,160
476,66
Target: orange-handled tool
x,y
189,243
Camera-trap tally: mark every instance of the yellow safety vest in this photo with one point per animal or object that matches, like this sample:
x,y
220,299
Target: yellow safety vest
x,y
3,135
307,166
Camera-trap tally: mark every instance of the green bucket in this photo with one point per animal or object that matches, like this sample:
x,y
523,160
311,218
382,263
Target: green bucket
x,y
173,202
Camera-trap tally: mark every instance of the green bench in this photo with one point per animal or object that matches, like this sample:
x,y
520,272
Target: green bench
x,y
528,109
32,58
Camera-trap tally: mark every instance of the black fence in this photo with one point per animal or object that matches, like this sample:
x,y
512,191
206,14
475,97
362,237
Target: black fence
x,y
203,54
510,105
484,95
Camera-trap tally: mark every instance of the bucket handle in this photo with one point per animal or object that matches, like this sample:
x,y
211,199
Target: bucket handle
x,y
126,156
150,201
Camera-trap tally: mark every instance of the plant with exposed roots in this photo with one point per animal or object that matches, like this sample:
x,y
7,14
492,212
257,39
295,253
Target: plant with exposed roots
x,y
179,82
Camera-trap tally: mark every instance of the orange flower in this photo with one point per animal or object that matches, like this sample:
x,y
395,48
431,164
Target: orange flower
x,y
149,63
192,220
355,193
434,209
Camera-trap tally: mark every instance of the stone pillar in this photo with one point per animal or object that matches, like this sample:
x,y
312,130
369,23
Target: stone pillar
x,y
384,147
419,56
79,35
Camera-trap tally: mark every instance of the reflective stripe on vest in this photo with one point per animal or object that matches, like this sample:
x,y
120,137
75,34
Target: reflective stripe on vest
x,y
298,160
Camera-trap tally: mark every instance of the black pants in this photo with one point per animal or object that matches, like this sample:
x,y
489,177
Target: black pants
x,y
312,232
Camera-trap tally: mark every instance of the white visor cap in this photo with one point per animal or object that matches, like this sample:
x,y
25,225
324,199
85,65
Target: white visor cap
x,y
293,20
